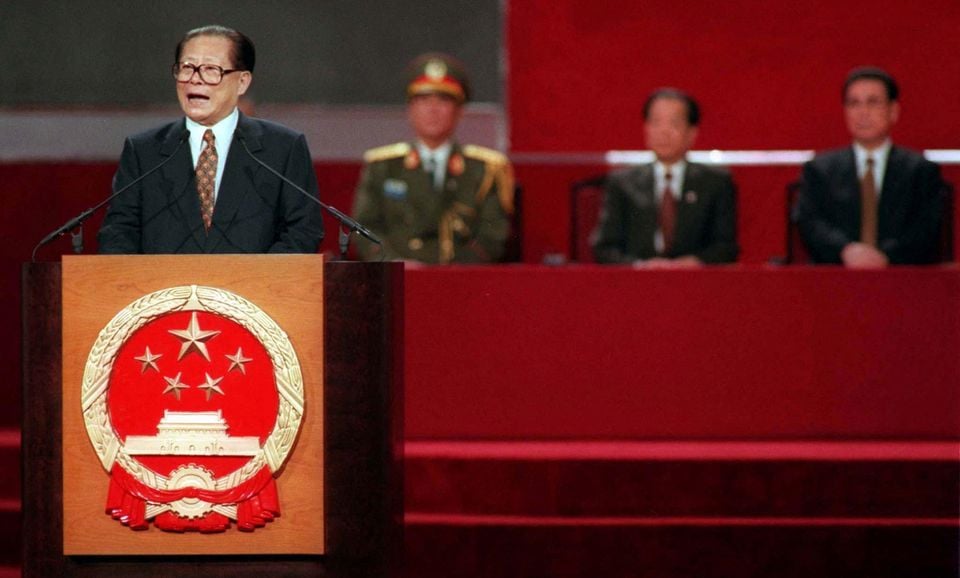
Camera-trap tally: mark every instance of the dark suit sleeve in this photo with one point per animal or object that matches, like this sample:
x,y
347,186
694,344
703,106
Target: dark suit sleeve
x,y
721,243
609,239
301,226
822,236
916,242
121,229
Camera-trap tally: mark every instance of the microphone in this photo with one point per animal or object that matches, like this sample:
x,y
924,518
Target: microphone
x,y
345,221
79,219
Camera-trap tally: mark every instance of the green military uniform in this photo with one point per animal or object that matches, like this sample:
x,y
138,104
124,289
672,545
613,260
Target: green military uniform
x,y
465,218
467,221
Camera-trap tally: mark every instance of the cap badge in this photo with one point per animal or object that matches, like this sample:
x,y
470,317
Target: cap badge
x,y
435,69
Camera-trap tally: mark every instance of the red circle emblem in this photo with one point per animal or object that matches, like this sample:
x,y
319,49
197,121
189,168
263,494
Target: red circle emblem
x,y
192,398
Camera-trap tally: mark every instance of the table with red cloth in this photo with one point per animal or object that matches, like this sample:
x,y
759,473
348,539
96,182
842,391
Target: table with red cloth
x,y
738,352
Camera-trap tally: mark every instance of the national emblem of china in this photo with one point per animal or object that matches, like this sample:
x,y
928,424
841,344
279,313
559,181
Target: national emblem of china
x,y
192,398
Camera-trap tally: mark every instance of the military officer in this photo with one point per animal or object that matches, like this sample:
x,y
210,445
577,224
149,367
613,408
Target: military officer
x,y
433,200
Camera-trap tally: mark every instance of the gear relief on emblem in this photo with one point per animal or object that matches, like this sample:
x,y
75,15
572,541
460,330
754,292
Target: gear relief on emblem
x,y
192,398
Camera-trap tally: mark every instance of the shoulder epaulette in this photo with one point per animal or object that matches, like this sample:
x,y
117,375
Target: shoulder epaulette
x,y
497,171
383,153
484,154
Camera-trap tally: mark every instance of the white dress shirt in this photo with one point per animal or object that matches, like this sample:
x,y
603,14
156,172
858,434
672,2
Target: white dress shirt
x,y
223,133
879,156
677,172
439,156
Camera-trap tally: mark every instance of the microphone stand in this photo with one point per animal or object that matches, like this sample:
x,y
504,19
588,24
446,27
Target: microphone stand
x,y
347,224
346,228
77,222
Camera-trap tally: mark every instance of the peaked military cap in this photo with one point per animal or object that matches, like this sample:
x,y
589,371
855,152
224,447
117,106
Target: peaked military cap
x,y
436,72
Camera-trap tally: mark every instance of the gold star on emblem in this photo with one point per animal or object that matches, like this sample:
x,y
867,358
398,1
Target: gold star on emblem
x,y
193,338
149,360
174,385
211,386
238,361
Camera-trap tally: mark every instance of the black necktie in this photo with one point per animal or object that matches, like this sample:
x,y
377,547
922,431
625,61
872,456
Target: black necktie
x,y
430,167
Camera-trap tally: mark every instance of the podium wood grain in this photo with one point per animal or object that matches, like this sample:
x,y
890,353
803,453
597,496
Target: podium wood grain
x,y
362,437
95,289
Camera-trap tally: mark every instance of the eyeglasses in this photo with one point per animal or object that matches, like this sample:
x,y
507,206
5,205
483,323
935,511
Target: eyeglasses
x,y
209,73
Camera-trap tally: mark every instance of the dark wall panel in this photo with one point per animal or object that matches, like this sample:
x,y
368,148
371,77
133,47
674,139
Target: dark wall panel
x,y
99,52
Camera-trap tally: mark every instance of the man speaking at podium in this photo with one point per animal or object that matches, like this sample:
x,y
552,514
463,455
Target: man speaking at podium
x,y
206,192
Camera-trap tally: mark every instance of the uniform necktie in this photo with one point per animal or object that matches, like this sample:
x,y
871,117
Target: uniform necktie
x,y
430,167
667,218
207,177
868,206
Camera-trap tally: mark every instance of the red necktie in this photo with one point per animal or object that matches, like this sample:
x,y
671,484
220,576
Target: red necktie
x,y
868,206
667,218
207,177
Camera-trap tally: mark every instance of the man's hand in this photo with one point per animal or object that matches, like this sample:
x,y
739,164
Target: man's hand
x,y
862,256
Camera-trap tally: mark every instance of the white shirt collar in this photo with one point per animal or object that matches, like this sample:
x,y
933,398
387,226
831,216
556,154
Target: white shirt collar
x,y
879,156
879,153
223,133
441,153
677,172
440,156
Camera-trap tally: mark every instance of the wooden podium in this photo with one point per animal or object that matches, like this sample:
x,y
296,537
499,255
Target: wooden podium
x,y
345,321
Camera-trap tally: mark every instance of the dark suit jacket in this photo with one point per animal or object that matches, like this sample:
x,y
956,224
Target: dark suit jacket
x,y
255,212
706,217
909,213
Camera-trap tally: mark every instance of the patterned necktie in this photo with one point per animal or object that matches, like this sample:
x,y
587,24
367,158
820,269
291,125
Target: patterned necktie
x,y
207,177
868,206
667,218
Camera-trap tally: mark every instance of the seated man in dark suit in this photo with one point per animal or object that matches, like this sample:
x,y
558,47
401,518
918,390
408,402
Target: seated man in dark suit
x,y
671,213
434,200
874,203
212,196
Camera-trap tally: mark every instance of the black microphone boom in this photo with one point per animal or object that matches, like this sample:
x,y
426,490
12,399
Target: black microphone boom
x,y
79,219
345,221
